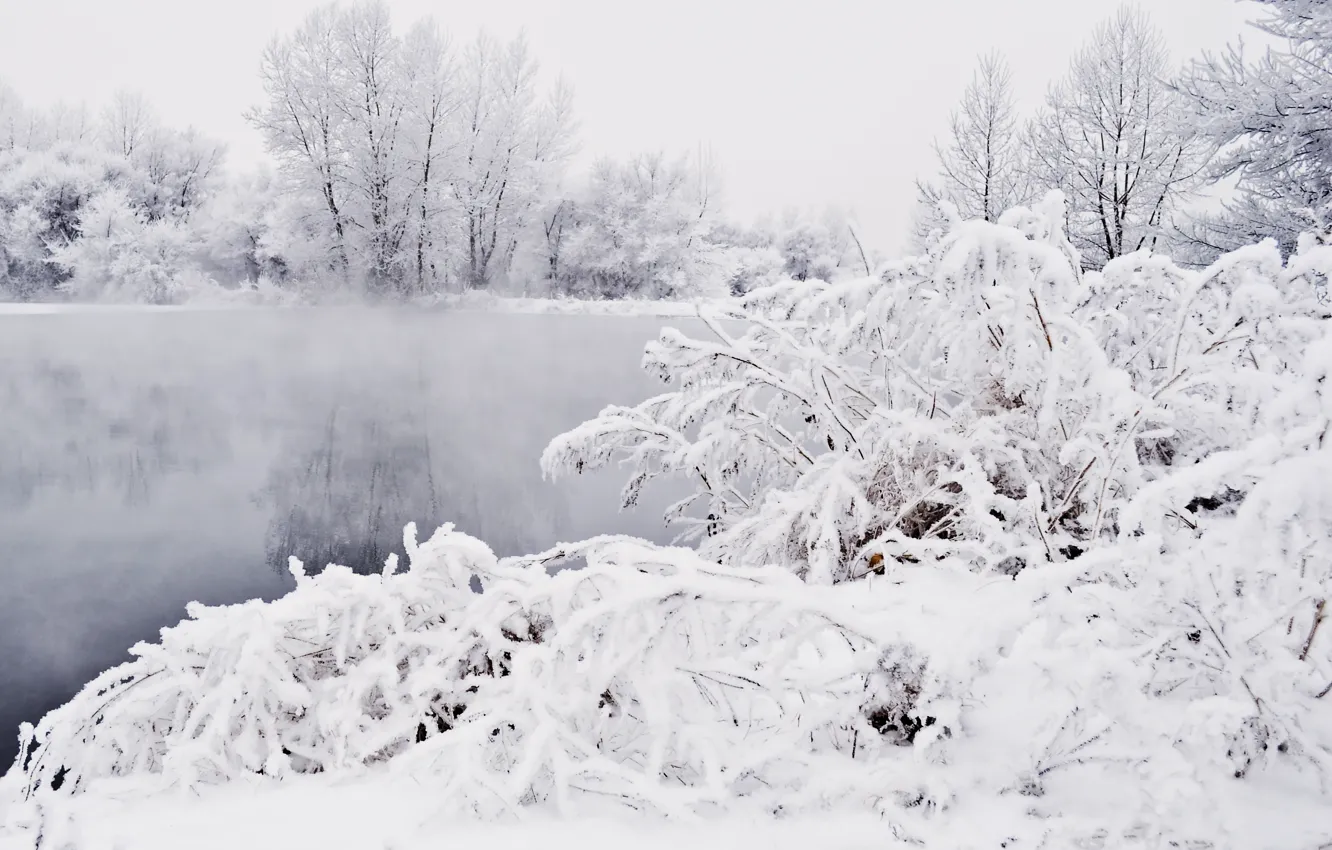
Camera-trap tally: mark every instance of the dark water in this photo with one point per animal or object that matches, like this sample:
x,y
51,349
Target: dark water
x,y
148,459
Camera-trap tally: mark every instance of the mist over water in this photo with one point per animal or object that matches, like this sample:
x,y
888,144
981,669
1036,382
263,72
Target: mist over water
x,y
151,458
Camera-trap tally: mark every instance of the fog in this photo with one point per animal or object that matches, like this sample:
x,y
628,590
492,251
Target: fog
x,y
151,458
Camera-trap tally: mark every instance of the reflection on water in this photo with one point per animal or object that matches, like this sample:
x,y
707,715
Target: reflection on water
x,y
152,458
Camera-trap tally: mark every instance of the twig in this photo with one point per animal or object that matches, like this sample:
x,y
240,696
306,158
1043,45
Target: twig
x,y
1046,543
1193,526
1313,630
1072,491
860,248
1224,341
1105,484
1044,327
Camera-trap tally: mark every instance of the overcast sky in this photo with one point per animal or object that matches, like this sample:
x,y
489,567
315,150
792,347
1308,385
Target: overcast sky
x,y
803,103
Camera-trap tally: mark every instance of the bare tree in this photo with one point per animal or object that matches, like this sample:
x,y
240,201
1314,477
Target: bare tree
x,y
509,142
1107,137
433,75
303,121
981,168
128,123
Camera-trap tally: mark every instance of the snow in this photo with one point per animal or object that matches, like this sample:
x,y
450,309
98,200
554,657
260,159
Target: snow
x,y
391,813
999,553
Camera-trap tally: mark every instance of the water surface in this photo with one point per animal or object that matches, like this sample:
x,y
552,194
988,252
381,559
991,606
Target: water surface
x,y
151,458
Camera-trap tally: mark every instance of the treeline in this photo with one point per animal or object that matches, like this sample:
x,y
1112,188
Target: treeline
x,y
1193,161
409,165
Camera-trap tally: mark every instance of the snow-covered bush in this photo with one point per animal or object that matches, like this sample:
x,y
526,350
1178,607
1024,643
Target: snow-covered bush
x,y
748,267
345,670
629,677
984,402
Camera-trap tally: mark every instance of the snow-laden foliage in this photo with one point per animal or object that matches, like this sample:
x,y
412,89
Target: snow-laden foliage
x,y
1009,554
984,402
120,255
961,708
317,680
1268,113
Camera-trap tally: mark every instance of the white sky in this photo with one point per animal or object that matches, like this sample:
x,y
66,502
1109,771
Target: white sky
x,y
803,102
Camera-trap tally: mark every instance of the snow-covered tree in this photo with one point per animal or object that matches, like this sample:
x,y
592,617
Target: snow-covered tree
x,y
643,229
173,173
814,246
33,129
982,168
239,228
1269,118
511,144
128,123
427,168
122,255
42,196
373,92
12,117
1110,139
436,97
303,121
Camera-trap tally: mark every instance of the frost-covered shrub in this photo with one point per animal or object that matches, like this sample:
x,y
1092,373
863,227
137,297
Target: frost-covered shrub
x,y
650,675
654,680
985,401
343,671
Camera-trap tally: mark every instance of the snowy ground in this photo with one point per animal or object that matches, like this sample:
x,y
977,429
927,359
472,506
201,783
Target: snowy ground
x,y
386,813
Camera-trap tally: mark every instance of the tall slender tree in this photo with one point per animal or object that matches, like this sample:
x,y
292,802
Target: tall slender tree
x,y
981,168
302,121
1108,137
